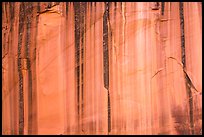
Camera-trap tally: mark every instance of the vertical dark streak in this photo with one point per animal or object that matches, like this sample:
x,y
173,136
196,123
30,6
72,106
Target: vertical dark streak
x,y
67,10
106,58
188,86
21,102
121,6
66,36
6,12
182,34
77,53
12,14
105,48
82,55
27,40
30,100
115,9
38,7
162,8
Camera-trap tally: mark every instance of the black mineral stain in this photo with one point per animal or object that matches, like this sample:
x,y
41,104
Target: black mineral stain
x,y
105,47
182,34
67,6
106,59
188,84
21,96
29,13
80,11
181,122
83,13
162,8
77,47
12,12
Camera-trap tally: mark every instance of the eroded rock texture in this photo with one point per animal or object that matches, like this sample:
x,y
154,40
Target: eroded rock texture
x,y
101,68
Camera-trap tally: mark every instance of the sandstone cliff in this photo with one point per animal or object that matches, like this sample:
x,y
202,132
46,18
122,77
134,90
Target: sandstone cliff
x,y
101,68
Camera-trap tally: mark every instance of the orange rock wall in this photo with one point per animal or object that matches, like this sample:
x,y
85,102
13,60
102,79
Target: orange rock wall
x,y
101,68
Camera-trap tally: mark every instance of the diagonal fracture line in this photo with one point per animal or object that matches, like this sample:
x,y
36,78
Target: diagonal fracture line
x,y
157,72
186,74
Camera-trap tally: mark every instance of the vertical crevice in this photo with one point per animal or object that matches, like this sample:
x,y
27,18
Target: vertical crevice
x,y
106,59
188,84
21,97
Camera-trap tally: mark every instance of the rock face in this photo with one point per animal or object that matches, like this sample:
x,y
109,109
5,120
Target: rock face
x,y
101,68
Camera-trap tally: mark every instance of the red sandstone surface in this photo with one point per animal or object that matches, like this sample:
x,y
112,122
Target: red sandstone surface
x,y
101,68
